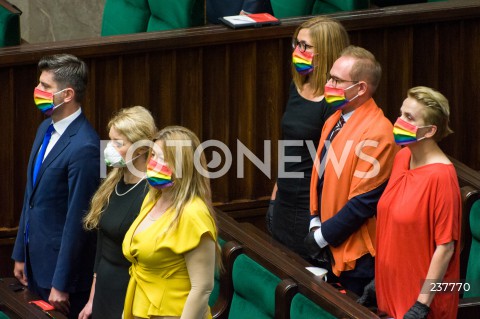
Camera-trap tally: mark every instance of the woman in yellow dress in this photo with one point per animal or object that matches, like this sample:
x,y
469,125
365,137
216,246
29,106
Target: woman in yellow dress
x,y
172,244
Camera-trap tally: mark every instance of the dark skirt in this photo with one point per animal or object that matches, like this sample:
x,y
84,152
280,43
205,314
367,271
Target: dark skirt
x,y
291,213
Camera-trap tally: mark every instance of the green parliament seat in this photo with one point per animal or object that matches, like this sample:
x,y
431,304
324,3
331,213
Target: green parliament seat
x,y
132,16
125,16
304,308
9,24
473,267
385,3
289,8
174,14
330,6
254,290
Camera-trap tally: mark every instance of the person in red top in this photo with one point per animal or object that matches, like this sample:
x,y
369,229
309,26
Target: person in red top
x,y
418,216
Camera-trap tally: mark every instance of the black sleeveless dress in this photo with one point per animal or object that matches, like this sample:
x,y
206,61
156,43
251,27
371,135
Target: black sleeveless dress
x,y
111,266
302,121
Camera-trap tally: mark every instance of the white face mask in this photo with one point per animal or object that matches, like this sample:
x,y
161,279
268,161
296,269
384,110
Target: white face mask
x,y
113,157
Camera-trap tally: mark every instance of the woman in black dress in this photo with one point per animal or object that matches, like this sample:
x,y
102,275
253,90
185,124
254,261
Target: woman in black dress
x,y
317,43
115,206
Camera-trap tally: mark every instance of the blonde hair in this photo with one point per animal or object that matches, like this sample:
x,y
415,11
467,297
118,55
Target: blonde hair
x,y
136,124
366,67
329,38
436,111
191,183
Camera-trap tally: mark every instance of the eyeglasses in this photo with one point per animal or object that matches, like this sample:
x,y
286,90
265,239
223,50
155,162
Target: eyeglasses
x,y
302,45
336,81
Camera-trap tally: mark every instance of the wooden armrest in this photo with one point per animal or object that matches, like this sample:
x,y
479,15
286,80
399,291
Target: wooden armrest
x,y
468,308
284,293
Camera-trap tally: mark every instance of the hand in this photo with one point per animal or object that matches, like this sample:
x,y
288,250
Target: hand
x,y
323,255
86,311
418,311
59,300
269,216
369,297
19,272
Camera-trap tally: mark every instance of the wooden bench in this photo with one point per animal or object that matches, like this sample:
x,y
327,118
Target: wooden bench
x,y
287,269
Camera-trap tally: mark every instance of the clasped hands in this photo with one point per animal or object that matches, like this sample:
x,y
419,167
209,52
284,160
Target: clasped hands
x,y
320,254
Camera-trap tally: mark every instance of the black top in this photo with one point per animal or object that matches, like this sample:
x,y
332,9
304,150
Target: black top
x,y
111,266
302,122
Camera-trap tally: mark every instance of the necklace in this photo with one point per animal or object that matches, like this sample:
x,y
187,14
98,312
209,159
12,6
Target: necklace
x,y
118,194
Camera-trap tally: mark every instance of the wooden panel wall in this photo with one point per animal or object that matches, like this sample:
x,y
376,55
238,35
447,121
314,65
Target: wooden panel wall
x,y
231,85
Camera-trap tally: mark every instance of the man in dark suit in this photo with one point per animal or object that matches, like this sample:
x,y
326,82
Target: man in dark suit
x,y
52,252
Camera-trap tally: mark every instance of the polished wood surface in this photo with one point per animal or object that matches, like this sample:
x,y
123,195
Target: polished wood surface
x,y
14,301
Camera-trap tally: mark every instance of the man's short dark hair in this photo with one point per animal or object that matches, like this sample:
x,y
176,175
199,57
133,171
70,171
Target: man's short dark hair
x,y
68,71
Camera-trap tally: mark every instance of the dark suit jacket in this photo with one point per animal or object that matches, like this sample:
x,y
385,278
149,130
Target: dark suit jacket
x,y
60,252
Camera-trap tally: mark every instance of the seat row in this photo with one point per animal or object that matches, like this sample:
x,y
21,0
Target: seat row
x,y
263,279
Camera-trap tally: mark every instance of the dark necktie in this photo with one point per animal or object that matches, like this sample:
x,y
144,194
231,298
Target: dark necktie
x,y
336,129
41,153
329,140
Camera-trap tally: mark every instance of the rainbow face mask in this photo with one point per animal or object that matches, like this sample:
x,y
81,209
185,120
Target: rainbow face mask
x,y
405,133
158,176
44,101
336,96
302,61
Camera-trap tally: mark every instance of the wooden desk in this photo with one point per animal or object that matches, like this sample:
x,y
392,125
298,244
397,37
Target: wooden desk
x,y
16,306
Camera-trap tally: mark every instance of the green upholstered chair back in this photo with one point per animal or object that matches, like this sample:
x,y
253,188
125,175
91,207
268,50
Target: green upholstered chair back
x,y
125,16
292,8
174,14
329,6
9,25
384,3
3,315
254,290
304,308
132,16
289,8
473,267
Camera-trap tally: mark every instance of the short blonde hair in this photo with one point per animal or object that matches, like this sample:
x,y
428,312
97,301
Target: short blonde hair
x,y
436,111
329,39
